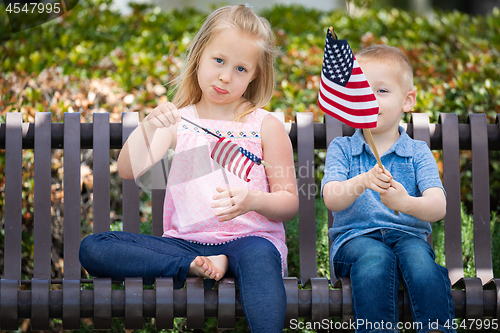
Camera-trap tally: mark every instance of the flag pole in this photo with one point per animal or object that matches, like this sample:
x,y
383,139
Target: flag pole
x,y
367,131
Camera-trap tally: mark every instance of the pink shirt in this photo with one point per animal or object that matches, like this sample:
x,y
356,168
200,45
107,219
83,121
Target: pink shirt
x,y
194,176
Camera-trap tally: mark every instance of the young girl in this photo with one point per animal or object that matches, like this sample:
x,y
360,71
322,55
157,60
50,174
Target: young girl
x,y
215,223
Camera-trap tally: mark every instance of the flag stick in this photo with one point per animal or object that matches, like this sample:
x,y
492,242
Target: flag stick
x,y
264,163
372,146
375,152
367,131
218,137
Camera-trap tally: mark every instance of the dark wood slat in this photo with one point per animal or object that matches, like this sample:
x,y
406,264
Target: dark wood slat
x,y
333,130
420,123
9,304
451,182
72,198
101,181
71,302
195,308
102,303
159,176
292,299
421,132
307,191
481,197
72,216
158,198
40,302
226,315
320,300
42,196
347,305
130,189
133,302
13,196
164,303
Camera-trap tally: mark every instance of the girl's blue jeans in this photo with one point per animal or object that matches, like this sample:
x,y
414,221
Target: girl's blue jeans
x,y
253,261
376,262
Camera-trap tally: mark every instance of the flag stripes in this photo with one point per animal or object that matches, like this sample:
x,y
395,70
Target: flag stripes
x,y
344,92
230,156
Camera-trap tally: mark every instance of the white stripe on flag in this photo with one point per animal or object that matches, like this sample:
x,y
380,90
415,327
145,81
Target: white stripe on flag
x,y
354,119
344,90
347,104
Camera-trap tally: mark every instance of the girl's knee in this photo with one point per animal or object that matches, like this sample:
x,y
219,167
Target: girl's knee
x,y
258,248
256,255
91,246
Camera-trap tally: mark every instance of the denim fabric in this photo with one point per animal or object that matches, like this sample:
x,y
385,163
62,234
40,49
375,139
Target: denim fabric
x,y
409,161
376,262
253,261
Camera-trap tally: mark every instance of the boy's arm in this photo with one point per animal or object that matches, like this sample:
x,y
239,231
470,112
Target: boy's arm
x,y
340,195
430,207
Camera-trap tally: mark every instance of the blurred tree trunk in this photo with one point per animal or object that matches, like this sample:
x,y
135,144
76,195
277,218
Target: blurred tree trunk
x,y
421,6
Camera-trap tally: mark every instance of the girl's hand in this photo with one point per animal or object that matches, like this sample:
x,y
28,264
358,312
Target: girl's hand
x,y
396,197
236,201
163,116
378,179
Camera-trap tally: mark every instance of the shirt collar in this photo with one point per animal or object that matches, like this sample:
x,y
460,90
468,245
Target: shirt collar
x,y
401,147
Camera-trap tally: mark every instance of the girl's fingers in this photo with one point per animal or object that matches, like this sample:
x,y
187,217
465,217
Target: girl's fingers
x,y
164,115
225,214
169,108
222,203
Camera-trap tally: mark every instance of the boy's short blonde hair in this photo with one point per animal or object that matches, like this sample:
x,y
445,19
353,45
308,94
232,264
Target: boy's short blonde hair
x,y
389,55
244,20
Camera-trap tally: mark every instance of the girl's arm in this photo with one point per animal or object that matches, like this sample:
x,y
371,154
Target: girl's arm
x,y
149,142
282,203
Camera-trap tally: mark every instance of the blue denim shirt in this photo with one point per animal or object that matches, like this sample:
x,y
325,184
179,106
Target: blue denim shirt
x,y
409,161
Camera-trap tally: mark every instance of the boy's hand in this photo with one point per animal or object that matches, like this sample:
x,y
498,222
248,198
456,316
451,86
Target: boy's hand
x,y
378,179
163,116
396,197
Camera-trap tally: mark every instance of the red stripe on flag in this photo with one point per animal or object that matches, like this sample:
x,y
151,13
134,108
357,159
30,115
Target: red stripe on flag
x,y
356,85
347,122
356,71
228,155
362,112
349,98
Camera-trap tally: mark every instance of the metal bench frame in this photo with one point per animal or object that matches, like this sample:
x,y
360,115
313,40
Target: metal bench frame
x,y
474,298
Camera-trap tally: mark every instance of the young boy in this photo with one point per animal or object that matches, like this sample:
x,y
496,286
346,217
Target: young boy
x,y
371,244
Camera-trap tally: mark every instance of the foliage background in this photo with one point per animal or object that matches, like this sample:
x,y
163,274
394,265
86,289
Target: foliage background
x,y
95,60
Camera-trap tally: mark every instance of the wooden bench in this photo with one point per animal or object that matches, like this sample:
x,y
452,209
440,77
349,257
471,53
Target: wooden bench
x,y
42,298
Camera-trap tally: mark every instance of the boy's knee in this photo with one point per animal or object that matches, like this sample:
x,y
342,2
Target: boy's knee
x,y
378,263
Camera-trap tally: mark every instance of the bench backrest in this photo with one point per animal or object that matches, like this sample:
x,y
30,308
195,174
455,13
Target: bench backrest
x,y
101,135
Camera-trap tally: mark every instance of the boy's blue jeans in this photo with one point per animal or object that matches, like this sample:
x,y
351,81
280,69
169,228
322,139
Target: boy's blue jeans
x,y
375,262
254,261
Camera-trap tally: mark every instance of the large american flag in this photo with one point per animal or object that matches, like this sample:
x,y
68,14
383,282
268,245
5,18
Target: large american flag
x,y
344,92
234,158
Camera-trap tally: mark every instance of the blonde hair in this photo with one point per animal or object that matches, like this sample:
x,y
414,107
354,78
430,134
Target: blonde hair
x,y
389,55
244,20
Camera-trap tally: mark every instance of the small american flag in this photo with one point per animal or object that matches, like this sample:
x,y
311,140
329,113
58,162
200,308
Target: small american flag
x,y
235,159
344,92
